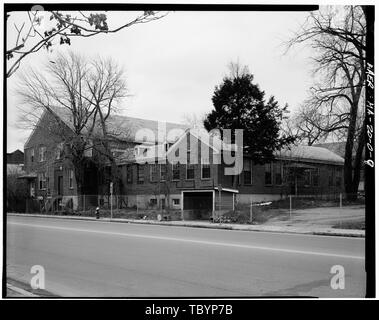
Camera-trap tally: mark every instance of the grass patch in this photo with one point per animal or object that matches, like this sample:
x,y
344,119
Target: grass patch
x,y
356,225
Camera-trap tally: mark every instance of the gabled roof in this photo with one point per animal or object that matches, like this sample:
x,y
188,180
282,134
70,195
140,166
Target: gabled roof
x,y
15,157
132,129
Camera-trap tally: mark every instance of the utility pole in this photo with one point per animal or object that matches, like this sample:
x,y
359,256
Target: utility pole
x,y
111,192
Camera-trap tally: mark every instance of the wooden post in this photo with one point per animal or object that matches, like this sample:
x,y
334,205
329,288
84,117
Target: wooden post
x,y
290,207
251,209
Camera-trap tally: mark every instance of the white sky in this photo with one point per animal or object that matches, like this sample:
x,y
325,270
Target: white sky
x,y
172,65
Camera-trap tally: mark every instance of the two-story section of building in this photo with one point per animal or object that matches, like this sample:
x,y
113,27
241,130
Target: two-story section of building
x,y
168,166
49,171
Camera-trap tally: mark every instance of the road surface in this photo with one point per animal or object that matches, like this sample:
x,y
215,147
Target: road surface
x,y
104,259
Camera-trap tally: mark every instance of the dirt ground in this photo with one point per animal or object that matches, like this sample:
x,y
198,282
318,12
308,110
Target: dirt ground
x,y
350,216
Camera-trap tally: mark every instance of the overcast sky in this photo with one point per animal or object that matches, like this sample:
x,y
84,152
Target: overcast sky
x,y
172,65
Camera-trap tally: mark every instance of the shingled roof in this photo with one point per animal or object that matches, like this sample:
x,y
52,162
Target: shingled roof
x,y
132,129
310,154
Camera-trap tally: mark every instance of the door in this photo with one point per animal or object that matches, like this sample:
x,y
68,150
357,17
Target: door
x,y
60,185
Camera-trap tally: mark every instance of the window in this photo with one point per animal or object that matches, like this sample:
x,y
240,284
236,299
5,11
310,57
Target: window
x,y
268,173
71,179
176,171
176,202
129,174
338,177
32,190
315,177
59,151
205,171
278,173
190,172
153,202
42,180
188,143
307,177
247,172
42,153
140,174
153,172
163,170
331,177
32,155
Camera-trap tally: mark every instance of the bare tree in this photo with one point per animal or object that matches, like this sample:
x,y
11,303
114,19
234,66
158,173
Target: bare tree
x,y
107,88
338,37
192,120
43,29
307,125
79,97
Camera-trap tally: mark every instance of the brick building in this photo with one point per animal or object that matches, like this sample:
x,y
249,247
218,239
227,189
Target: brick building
x,y
15,162
151,178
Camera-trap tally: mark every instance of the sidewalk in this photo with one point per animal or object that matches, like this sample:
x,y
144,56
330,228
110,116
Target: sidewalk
x,y
227,226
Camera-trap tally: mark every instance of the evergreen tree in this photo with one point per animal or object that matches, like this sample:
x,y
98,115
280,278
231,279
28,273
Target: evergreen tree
x,y
240,104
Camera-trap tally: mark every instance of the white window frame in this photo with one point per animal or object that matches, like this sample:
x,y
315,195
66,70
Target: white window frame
x,y
152,166
160,172
42,177
187,171
176,204
59,151
210,173
71,179
42,153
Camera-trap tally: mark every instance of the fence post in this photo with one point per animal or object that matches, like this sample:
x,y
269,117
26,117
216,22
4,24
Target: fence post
x,y
251,209
341,200
290,207
84,202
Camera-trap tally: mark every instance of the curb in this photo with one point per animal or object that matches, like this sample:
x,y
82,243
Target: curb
x,y
273,229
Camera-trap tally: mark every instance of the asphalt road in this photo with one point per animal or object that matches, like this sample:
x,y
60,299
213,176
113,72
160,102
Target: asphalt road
x,y
89,258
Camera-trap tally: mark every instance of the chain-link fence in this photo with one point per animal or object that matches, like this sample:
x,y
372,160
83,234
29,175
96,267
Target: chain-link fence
x,y
333,210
